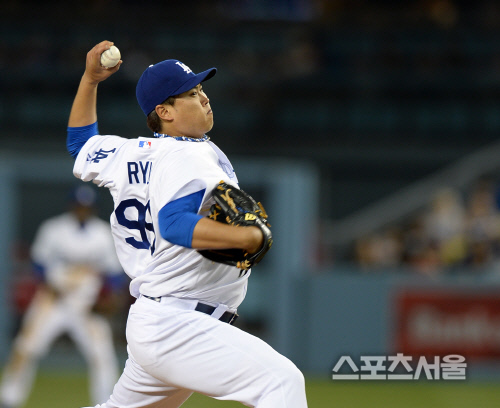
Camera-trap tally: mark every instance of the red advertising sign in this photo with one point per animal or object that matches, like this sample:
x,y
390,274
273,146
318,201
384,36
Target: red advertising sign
x,y
441,322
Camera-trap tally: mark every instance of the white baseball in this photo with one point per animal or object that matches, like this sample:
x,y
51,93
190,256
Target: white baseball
x,y
111,57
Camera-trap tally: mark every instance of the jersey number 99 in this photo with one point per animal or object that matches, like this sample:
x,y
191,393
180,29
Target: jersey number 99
x,y
140,224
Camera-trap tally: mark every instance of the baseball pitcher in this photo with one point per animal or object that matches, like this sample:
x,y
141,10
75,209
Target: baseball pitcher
x,y
188,264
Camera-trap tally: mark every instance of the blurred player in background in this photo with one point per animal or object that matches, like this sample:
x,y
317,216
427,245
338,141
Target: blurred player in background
x,y
75,256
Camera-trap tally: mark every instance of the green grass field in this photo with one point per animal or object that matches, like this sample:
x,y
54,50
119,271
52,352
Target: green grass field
x,y
69,390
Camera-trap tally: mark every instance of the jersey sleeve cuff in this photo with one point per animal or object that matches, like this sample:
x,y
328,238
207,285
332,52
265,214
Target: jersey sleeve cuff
x,y
78,136
178,218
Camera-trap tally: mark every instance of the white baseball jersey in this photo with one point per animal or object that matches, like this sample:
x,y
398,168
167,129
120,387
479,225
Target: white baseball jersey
x,y
143,175
174,349
74,256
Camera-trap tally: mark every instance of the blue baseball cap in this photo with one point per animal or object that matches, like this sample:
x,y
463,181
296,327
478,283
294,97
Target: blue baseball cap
x,y
167,78
84,195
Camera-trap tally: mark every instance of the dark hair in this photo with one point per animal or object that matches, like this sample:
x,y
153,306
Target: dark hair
x,y
153,120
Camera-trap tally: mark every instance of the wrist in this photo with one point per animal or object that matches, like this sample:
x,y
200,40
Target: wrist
x,y
87,80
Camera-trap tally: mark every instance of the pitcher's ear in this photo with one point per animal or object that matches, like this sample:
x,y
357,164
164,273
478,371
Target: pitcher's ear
x,y
164,111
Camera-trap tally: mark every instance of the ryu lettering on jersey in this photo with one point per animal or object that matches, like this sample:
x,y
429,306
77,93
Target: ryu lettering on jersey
x,y
139,172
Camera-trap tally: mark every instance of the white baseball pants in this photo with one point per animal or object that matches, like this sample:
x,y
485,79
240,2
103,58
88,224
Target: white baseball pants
x,y
175,350
45,320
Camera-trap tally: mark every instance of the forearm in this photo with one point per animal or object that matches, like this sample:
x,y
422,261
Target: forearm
x,y
84,111
210,234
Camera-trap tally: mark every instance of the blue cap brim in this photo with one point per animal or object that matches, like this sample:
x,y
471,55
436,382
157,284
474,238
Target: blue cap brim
x,y
193,81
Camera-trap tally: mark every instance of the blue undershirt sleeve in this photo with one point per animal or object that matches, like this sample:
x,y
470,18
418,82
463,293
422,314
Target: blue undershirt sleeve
x,y
78,136
178,218
115,281
39,271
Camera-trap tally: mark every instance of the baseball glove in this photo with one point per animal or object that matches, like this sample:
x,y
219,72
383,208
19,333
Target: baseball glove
x,y
235,207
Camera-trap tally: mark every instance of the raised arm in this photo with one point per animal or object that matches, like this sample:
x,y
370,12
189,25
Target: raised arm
x,y
83,111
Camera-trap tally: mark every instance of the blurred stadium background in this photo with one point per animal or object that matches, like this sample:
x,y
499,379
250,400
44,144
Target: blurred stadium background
x,y
369,129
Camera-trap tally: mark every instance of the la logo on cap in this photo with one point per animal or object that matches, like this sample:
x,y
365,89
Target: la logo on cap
x,y
184,67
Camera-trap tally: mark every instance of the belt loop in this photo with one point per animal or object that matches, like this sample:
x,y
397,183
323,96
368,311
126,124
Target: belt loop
x,y
219,311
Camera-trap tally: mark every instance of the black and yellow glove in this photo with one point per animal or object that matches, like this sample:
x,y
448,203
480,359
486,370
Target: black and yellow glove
x,y
235,207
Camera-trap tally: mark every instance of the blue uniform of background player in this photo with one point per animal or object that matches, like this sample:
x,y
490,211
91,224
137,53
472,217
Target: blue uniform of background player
x,y
179,339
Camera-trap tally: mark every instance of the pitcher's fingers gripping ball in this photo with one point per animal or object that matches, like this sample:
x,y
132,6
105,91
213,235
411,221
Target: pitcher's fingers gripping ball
x,y
110,58
235,207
